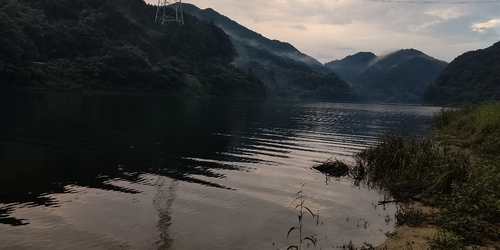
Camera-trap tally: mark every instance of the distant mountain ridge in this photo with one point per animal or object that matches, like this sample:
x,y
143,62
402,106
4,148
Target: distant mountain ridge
x,y
399,77
287,72
241,33
351,66
472,77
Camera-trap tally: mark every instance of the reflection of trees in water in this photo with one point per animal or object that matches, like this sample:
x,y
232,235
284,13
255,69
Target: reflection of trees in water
x,y
163,202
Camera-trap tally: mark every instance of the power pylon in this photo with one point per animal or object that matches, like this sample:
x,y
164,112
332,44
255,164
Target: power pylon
x,y
169,12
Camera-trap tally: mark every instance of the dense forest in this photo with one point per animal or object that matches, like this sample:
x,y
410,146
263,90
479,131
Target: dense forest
x,y
472,77
115,45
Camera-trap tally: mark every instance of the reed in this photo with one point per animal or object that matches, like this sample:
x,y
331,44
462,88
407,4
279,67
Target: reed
x,y
303,210
407,168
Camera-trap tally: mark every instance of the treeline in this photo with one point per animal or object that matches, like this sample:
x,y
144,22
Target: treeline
x,y
473,77
115,45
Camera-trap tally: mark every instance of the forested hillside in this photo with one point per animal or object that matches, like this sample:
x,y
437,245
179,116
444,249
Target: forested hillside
x,y
472,77
351,66
401,77
115,45
241,33
287,72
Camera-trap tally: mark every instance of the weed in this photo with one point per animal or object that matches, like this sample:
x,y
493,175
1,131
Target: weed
x,y
409,215
447,241
334,168
366,246
391,234
303,210
339,169
348,246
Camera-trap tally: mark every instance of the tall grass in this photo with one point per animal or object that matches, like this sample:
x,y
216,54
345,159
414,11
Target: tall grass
x,y
410,167
466,191
478,125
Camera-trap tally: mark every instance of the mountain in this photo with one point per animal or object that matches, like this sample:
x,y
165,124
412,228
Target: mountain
x,y
115,45
399,77
351,66
243,34
287,72
472,77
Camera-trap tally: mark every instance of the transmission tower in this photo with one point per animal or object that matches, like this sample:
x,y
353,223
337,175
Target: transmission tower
x,y
169,11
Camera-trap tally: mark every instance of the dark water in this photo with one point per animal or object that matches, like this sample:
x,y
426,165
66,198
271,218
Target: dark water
x,y
145,172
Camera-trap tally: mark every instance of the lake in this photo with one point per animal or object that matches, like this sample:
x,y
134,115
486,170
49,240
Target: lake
x,y
99,171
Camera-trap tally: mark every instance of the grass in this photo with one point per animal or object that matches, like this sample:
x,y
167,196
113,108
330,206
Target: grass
x,y
457,171
477,125
471,211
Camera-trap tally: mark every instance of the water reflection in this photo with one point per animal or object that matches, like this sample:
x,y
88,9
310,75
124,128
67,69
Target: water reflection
x,y
50,140
163,201
6,219
217,159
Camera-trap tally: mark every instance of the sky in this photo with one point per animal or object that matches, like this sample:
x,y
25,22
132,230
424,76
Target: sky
x,y
333,29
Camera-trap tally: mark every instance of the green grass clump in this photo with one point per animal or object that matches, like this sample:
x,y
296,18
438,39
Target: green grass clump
x,y
472,210
447,241
479,125
409,167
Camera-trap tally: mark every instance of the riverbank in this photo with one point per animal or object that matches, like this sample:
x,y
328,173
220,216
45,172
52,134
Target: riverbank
x,y
452,177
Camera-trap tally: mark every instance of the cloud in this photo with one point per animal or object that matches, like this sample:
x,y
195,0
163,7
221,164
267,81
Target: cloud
x,y
344,48
483,26
321,28
445,13
299,27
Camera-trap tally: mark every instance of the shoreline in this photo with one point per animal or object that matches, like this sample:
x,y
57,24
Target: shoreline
x,y
407,237
446,184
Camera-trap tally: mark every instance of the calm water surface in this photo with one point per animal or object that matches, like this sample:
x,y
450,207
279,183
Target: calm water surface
x,y
144,172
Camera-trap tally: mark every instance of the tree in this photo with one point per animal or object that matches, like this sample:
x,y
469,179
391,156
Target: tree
x,y
16,50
